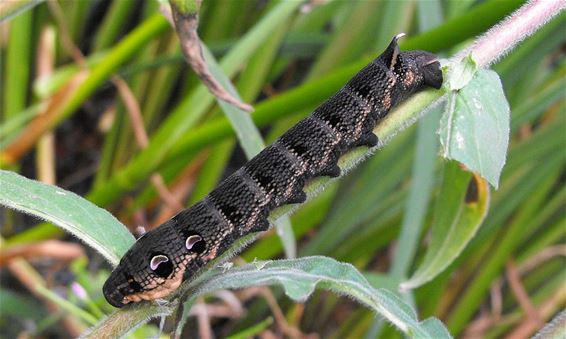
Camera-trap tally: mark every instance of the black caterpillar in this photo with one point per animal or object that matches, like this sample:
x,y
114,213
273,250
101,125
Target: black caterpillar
x,y
161,259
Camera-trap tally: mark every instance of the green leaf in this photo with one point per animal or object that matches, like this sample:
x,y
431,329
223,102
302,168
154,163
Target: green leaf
x,y
300,277
475,128
461,207
461,73
435,328
94,225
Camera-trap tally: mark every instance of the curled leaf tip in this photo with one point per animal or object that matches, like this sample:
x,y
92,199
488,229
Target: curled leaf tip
x,y
186,26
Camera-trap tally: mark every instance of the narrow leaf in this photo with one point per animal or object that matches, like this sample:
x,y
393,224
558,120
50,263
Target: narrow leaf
x,y
475,128
10,9
66,305
248,135
253,331
461,206
94,225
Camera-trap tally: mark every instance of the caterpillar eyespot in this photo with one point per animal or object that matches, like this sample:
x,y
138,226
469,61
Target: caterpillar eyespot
x,y
241,204
156,261
194,243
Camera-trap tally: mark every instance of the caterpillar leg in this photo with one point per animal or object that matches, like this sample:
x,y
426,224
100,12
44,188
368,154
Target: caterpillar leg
x,y
368,139
261,225
299,198
332,171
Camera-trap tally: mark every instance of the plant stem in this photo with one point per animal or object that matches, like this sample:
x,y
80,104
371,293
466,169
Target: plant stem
x,y
525,21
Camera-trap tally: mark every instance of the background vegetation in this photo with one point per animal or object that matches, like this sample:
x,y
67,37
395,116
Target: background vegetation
x,y
73,73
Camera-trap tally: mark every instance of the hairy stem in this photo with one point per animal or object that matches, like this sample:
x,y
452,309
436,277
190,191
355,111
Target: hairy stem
x,y
502,37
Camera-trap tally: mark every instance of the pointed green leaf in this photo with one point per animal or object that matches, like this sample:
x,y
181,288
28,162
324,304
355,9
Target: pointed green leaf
x,y
475,128
461,206
435,328
93,225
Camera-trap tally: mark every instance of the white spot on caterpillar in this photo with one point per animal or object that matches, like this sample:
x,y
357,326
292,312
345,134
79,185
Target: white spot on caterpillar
x,y
157,260
409,78
192,240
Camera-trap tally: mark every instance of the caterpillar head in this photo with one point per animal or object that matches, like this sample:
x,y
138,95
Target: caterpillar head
x,y
413,69
155,266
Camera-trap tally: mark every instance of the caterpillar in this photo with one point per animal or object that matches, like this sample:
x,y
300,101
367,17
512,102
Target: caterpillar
x,y
175,251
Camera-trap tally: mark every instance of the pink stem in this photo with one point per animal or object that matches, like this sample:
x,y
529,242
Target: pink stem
x,y
522,23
